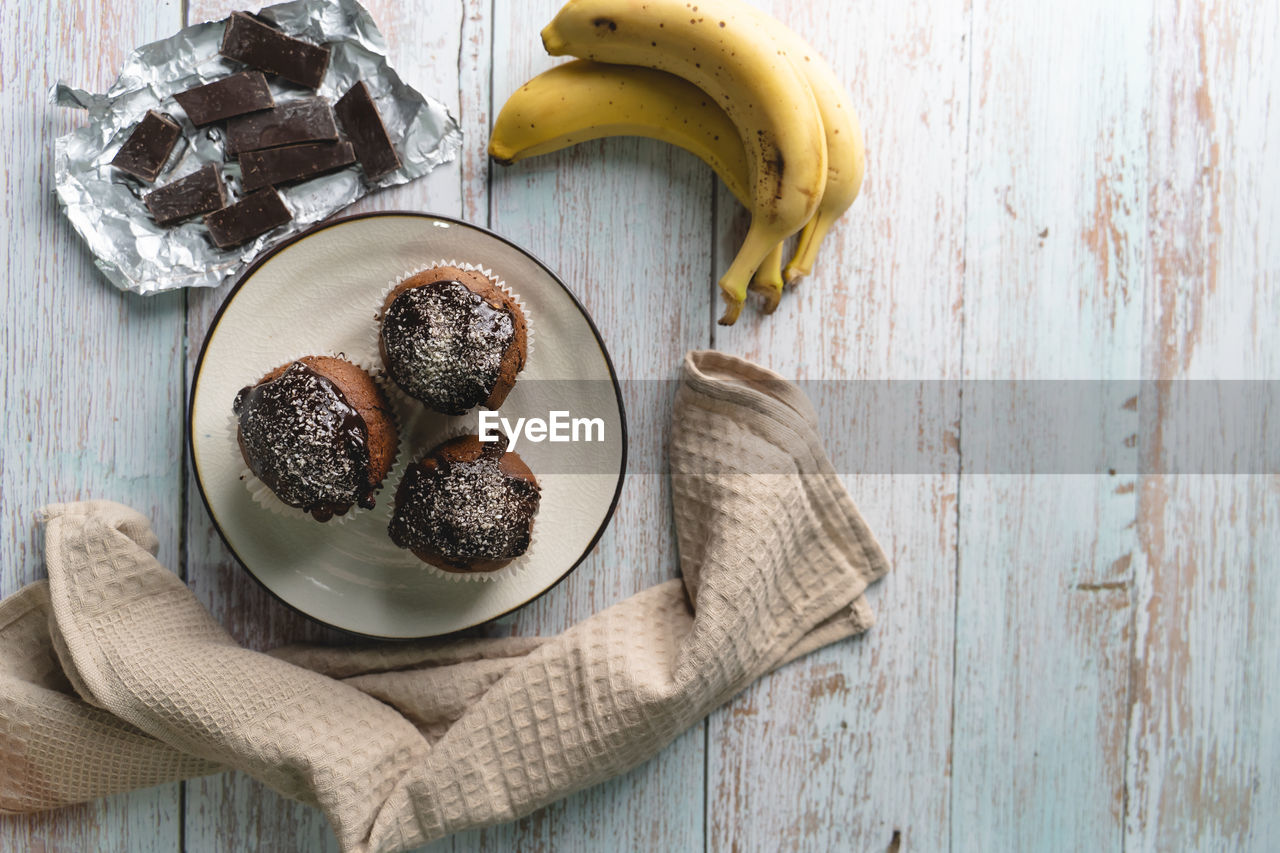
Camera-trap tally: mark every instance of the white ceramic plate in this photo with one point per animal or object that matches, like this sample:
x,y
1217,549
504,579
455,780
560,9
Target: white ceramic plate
x,y
318,294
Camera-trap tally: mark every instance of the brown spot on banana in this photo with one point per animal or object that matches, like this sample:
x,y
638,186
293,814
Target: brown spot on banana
x,y
778,165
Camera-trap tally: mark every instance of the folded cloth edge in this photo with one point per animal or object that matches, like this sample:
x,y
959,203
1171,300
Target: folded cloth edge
x,y
792,423
719,375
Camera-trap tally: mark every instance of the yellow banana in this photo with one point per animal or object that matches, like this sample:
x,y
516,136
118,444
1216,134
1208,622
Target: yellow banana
x,y
726,49
846,154
583,100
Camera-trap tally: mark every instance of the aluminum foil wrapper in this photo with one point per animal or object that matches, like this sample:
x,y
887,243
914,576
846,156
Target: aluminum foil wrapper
x,y
105,205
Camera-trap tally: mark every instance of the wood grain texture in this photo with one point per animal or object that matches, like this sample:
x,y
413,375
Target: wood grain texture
x,y
90,377
1204,755
1053,278
849,747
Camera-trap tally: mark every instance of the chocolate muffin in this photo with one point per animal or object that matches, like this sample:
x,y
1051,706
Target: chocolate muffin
x,y
319,433
453,339
468,506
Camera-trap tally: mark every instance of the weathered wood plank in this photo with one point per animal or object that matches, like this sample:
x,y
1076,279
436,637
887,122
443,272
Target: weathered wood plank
x,y
848,748
474,110
427,48
1203,750
90,377
1054,270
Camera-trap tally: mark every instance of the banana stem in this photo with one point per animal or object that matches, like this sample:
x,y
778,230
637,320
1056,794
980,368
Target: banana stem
x,y
811,237
768,279
757,246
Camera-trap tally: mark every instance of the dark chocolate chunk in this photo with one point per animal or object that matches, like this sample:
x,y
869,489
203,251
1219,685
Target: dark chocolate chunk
x,y
254,42
276,166
199,192
363,125
256,213
147,149
236,95
303,120
303,438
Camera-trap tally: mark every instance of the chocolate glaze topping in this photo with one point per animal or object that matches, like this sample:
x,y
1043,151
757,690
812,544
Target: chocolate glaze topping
x,y
465,512
301,437
444,345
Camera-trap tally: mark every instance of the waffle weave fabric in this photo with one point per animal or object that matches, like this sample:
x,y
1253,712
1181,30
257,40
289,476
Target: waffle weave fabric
x,y
113,676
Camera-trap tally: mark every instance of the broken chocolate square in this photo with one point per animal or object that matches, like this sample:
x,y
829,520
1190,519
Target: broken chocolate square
x,y
238,94
254,42
363,125
147,149
256,213
303,120
199,192
276,166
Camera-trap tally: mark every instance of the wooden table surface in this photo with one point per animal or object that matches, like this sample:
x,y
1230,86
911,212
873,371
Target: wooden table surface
x,y
1084,190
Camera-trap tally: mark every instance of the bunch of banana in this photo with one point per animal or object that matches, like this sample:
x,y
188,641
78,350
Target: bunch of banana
x,y
584,100
722,80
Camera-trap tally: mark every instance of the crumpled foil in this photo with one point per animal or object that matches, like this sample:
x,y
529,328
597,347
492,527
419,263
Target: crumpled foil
x,y
105,205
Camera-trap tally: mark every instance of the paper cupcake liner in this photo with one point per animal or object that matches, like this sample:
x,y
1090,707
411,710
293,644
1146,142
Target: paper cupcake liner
x,y
375,344
261,492
515,567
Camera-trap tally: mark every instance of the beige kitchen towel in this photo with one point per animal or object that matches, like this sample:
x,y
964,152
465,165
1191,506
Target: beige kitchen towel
x,y
113,676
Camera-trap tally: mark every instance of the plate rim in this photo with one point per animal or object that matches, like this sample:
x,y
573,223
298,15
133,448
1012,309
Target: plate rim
x,y
310,232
